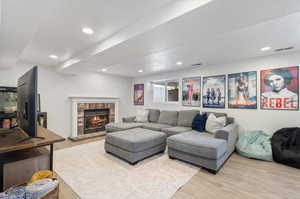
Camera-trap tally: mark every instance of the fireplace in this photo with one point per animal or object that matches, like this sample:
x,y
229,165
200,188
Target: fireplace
x,y
82,104
95,120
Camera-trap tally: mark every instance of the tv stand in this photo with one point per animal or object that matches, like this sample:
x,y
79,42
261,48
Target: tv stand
x,y
5,132
29,138
10,144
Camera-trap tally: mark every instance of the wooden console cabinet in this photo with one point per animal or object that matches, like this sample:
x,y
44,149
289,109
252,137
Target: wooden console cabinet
x,y
19,160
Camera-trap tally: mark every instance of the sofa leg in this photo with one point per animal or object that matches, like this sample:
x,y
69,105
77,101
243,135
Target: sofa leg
x,y
133,163
211,171
172,158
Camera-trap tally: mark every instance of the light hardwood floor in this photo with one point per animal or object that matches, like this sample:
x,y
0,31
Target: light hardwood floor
x,y
240,178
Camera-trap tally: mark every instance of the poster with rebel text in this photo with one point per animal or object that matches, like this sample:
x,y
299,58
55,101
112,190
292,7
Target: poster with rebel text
x,y
280,88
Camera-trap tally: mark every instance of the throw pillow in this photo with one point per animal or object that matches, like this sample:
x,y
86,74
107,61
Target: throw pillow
x,y
199,122
213,124
142,116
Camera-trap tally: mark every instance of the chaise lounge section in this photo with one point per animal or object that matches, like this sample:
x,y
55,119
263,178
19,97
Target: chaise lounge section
x,y
198,149
204,149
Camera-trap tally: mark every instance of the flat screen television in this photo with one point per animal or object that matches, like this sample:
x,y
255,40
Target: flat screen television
x,y
27,105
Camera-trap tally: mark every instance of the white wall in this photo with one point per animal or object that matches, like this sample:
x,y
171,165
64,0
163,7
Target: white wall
x,y
268,120
56,88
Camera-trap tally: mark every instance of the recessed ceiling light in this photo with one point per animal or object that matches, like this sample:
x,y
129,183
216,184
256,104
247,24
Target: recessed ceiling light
x,y
265,48
88,31
140,71
179,63
103,69
53,56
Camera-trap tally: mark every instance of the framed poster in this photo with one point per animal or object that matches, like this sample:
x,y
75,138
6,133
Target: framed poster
x,y
242,90
138,94
191,91
214,91
279,88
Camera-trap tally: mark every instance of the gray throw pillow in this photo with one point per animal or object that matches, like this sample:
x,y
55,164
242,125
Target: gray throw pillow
x,y
129,119
153,115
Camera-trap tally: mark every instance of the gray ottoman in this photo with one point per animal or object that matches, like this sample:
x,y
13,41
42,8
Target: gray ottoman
x,y
135,144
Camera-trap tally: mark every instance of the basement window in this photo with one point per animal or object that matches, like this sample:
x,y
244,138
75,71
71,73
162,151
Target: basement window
x,y
165,91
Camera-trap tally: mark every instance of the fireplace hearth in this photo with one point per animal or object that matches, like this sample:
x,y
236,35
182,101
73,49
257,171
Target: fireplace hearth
x,y
95,120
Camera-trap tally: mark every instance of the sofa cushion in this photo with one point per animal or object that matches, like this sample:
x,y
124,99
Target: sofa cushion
x,y
206,134
186,117
155,126
198,144
213,124
199,122
136,140
121,126
129,119
175,130
153,115
142,116
168,117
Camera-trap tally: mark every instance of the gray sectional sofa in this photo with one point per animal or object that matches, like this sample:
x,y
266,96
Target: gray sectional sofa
x,y
200,148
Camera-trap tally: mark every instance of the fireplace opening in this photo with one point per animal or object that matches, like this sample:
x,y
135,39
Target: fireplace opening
x,y
95,120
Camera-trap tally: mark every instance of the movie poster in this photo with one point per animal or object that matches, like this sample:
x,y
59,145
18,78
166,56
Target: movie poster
x,y
191,91
280,88
214,91
242,90
139,94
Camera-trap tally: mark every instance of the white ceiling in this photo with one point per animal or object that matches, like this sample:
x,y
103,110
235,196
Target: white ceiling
x,y
142,34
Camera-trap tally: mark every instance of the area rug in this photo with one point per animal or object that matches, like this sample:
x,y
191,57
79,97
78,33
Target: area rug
x,y
94,174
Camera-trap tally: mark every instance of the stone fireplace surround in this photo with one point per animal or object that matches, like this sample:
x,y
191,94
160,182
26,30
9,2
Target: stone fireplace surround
x,y
79,104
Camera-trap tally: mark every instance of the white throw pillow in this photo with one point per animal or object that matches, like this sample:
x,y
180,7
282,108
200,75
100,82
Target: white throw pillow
x,y
142,116
213,124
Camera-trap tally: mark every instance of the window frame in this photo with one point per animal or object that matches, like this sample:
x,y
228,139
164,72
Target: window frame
x,y
166,101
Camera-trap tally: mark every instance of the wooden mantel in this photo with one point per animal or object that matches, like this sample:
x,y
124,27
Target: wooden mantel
x,y
93,98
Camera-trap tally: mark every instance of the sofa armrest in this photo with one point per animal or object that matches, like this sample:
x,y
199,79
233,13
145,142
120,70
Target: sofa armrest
x,y
230,134
128,119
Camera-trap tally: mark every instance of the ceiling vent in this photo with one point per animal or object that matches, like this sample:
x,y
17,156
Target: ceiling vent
x,y
284,49
197,64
